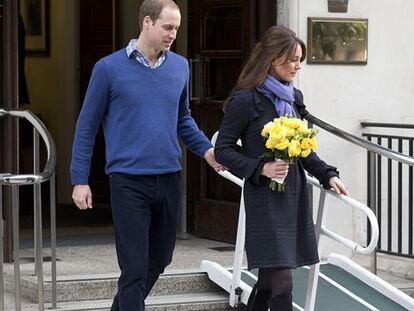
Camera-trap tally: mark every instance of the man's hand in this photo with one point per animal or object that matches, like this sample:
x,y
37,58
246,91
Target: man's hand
x,y
209,157
338,186
82,196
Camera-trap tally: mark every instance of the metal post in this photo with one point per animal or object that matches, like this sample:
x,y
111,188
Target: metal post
x,y
373,196
36,170
1,251
314,270
238,254
38,224
53,237
27,179
16,246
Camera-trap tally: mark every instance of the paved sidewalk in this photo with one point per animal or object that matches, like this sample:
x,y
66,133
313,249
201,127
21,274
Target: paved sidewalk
x,y
87,253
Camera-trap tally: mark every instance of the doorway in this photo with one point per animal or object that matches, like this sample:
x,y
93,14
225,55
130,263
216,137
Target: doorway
x,y
221,34
97,39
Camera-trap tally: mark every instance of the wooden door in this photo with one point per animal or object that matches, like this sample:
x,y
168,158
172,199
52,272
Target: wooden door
x,y
219,39
96,41
221,35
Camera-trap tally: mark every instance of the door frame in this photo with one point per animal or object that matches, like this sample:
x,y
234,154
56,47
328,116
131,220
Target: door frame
x,y
9,150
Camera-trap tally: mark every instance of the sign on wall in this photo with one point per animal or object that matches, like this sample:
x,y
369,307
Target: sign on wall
x,y
337,41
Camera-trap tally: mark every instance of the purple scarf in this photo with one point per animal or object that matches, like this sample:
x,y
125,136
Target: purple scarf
x,y
280,94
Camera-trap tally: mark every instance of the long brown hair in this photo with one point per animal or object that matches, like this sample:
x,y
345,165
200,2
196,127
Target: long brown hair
x,y
277,43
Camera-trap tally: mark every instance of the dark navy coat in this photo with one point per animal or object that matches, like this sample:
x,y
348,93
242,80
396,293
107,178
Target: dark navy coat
x,y
279,225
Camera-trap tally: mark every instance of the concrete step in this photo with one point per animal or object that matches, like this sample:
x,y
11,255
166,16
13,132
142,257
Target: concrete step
x,y
104,286
178,302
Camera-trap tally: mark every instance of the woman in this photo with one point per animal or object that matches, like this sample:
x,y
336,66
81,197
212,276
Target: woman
x,y
279,227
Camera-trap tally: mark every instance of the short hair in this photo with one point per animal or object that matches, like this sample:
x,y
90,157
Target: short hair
x,y
153,9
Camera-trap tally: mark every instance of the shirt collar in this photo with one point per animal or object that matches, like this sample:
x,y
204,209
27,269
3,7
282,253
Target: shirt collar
x,y
132,50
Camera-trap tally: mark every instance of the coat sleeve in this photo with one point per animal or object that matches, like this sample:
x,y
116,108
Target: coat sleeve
x,y
319,169
233,125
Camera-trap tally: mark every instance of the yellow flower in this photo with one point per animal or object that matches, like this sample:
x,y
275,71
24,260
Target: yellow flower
x,y
294,148
314,143
282,144
278,132
290,132
280,120
270,144
293,123
307,143
305,153
266,129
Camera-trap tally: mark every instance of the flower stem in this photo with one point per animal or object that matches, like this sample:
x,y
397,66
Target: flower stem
x,y
275,186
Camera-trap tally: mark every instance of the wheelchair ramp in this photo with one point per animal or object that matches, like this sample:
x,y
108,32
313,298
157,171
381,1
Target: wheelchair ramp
x,y
358,296
338,290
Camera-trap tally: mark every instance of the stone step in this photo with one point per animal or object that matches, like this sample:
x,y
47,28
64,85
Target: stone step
x,y
217,301
104,287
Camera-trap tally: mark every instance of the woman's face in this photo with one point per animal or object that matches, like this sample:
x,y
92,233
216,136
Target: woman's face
x,y
286,69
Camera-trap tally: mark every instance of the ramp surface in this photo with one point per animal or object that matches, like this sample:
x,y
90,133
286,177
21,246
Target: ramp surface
x,y
329,297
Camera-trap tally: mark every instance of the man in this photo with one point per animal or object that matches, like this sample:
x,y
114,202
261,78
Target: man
x,y
140,94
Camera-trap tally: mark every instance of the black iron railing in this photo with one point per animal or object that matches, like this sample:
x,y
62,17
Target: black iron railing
x,y
390,190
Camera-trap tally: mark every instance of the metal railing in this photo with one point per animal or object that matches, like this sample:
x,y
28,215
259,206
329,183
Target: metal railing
x,y
374,150
393,186
36,179
320,229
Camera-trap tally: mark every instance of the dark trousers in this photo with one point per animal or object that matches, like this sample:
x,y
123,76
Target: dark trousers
x,y
145,213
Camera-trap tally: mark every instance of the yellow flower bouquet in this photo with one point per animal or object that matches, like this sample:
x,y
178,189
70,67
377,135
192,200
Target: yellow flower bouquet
x,y
287,138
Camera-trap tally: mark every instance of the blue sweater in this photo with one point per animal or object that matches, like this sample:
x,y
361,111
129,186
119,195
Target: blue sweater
x,y
143,111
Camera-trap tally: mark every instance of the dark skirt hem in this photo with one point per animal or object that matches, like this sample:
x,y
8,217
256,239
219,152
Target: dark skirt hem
x,y
281,265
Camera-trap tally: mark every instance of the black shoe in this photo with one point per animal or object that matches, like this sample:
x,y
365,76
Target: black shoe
x,y
282,302
258,299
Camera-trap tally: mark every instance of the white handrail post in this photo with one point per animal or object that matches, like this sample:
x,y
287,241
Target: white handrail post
x,y
314,270
238,254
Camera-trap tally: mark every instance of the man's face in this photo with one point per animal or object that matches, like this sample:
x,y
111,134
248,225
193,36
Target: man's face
x,y
163,31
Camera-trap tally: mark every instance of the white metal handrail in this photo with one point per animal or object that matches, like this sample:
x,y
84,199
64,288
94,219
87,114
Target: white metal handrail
x,y
35,179
356,205
235,293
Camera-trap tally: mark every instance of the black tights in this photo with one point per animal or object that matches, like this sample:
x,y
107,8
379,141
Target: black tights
x,y
279,281
274,289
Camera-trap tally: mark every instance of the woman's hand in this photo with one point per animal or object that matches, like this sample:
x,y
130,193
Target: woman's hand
x,y
275,169
338,186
